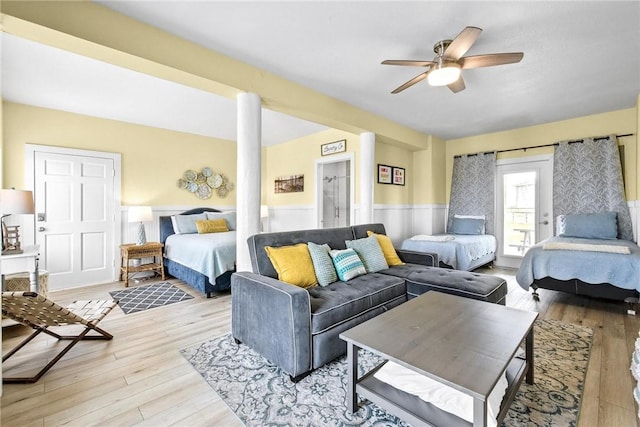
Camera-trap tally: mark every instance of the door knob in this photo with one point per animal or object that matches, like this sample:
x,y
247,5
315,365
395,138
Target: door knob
x,y
41,228
544,222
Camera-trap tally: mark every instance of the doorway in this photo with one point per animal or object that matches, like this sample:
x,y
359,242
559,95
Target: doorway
x,y
77,221
524,203
334,192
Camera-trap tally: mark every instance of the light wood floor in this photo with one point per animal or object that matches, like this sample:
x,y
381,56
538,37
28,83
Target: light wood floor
x,y
140,378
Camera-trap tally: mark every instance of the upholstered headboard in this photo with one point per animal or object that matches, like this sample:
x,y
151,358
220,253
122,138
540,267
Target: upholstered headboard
x,y
166,227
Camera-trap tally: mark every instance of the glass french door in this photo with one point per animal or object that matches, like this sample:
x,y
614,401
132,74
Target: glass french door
x,y
524,198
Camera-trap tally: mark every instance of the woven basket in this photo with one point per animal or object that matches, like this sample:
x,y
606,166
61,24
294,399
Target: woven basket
x,y
19,282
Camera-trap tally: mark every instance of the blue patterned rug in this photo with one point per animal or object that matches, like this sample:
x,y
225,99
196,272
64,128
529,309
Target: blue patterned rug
x,y
139,298
262,395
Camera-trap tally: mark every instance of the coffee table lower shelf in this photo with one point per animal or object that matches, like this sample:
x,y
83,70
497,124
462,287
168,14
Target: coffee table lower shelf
x,y
418,412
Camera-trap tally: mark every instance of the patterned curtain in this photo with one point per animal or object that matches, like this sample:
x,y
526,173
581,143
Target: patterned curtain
x,y
587,178
473,188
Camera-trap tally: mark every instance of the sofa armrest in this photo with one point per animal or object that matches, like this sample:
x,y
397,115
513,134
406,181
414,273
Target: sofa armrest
x,y
273,318
427,259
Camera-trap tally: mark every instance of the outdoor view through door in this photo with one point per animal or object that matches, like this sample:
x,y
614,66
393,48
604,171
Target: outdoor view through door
x,y
519,212
523,211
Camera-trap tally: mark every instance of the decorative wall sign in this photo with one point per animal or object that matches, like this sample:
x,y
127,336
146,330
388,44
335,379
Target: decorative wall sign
x,y
384,174
333,147
205,182
289,184
398,176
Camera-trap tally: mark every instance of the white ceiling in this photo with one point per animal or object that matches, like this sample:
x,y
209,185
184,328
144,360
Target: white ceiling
x,y
580,58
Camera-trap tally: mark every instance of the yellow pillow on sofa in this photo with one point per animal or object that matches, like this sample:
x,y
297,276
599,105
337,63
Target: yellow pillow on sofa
x,y
390,254
211,226
293,264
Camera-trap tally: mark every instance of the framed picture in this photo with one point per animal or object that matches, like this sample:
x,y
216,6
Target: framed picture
x,y
384,174
333,147
398,176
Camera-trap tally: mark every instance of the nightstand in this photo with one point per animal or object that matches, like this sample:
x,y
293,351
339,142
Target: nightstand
x,y
131,251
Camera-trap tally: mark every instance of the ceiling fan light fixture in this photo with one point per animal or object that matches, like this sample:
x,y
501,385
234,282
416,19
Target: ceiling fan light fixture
x,y
444,74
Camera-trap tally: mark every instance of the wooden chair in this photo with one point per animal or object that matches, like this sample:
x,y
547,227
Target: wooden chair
x,y
40,313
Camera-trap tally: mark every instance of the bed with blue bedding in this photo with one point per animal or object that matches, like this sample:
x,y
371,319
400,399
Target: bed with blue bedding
x,y
458,251
595,264
204,261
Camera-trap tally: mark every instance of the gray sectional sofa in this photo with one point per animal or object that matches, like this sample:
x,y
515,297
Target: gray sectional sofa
x,y
298,329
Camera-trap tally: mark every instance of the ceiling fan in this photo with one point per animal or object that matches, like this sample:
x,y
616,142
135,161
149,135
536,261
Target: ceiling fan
x,y
446,67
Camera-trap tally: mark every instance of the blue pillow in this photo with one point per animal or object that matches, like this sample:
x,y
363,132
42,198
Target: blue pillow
x,y
348,264
603,225
186,224
369,252
467,226
322,263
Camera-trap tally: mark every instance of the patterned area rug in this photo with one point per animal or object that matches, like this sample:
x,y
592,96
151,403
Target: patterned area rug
x,y
132,300
260,394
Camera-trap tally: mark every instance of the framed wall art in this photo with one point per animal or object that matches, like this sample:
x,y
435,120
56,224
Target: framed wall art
x,y
333,147
289,184
398,176
384,174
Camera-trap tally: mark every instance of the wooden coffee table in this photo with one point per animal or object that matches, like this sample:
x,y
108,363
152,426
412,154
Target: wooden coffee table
x,y
463,343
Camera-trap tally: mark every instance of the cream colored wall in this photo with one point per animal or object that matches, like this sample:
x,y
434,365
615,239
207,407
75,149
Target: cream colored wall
x,y
615,122
390,194
298,157
152,159
429,169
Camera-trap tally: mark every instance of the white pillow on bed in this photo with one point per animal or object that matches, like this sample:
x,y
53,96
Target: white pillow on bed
x,y
470,216
230,217
186,224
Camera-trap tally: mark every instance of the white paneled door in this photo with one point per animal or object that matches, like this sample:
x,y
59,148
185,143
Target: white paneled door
x,y
75,221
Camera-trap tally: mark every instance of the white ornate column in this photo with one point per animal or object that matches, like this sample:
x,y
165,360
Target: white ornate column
x,y
367,166
249,173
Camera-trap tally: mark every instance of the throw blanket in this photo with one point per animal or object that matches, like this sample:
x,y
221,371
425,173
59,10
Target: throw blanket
x,y
436,238
459,252
210,254
444,397
554,246
617,269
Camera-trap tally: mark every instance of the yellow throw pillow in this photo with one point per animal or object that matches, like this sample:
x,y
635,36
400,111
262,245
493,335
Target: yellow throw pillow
x,y
293,264
211,226
390,254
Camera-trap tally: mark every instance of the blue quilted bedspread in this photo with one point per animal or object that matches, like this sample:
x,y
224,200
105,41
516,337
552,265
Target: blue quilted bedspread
x,y
459,252
619,270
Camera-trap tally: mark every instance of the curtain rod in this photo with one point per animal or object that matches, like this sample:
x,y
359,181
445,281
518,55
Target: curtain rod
x,y
555,144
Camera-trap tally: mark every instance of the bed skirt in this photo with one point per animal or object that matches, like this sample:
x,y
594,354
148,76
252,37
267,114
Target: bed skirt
x,y
578,287
198,280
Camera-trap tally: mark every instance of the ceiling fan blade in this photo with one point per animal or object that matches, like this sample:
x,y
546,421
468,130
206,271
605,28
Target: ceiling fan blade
x,y
490,60
408,62
457,86
462,43
411,82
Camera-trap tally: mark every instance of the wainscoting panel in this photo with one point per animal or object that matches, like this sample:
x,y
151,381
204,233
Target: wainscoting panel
x,y
429,219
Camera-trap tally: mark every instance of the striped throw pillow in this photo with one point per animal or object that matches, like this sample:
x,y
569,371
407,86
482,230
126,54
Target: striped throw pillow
x,y
322,263
347,263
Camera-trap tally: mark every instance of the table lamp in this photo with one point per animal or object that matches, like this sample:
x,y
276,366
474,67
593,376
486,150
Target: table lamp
x,y
140,214
264,217
14,202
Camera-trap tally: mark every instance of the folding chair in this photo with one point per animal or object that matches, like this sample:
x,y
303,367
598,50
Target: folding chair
x,y
38,312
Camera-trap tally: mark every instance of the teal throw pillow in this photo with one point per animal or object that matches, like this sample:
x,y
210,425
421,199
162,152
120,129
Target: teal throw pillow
x,y
347,264
370,252
322,263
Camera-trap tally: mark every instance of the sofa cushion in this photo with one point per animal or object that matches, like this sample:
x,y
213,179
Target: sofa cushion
x,y
348,264
369,251
293,264
341,301
390,254
322,263
456,282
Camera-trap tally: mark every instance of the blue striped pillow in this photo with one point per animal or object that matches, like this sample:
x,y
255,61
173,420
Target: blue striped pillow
x,y
322,263
347,263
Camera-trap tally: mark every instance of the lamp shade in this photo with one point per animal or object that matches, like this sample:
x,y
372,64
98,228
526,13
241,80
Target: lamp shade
x,y
140,213
16,202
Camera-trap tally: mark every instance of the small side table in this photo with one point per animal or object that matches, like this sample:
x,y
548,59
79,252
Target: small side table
x,y
131,251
